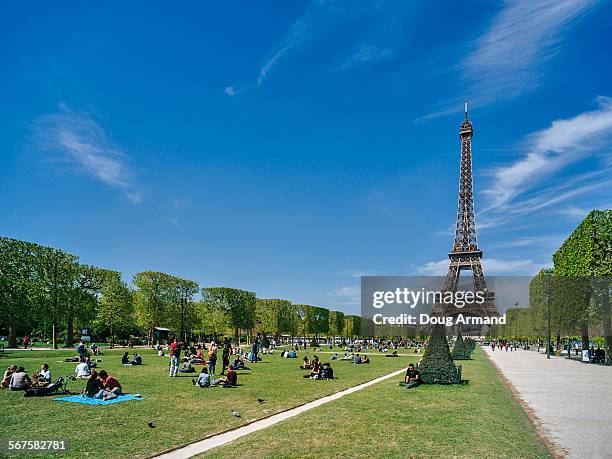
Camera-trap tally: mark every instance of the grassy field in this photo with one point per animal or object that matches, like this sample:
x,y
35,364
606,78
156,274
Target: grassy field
x,y
181,412
480,419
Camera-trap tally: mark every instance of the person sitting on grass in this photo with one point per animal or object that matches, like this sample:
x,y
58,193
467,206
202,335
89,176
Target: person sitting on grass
x,y
186,366
203,379
20,380
357,359
327,371
315,372
137,359
90,363
110,383
95,388
6,379
334,357
82,369
306,365
412,378
239,364
229,380
42,377
125,360
365,359
292,355
93,385
94,349
347,356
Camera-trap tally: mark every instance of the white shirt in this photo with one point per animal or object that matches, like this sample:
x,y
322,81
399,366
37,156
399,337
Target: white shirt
x,y
82,370
45,374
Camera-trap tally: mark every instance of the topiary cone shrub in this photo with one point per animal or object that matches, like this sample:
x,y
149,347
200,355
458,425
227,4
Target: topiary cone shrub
x,y
460,351
437,365
470,345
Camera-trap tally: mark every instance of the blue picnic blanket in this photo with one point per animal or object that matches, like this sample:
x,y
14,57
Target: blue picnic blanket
x,y
97,401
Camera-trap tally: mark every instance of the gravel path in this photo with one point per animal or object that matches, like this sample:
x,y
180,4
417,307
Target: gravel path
x,y
571,400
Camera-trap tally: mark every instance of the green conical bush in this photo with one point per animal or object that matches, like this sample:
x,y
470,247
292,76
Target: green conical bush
x,y
470,345
460,351
437,365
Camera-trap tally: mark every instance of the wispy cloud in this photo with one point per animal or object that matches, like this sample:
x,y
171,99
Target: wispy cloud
x,y
509,59
78,140
491,266
366,54
347,295
549,152
321,19
512,55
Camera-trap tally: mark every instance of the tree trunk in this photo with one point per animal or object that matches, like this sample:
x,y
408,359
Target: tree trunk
x,y
12,341
54,332
70,326
584,329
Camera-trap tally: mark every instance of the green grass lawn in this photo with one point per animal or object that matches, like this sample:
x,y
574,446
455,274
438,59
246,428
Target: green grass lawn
x,y
480,419
181,412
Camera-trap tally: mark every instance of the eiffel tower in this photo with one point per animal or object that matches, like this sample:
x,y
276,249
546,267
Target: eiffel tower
x,y
465,254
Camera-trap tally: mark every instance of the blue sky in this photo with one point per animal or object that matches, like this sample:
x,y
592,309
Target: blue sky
x,y
289,147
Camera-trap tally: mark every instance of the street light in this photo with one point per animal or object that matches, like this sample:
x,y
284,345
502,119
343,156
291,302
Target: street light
x,y
548,293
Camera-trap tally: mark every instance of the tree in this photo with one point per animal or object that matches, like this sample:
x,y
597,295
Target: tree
x,y
240,306
436,366
56,273
182,298
17,284
151,299
460,351
114,312
213,318
352,325
336,324
587,253
270,314
316,321
82,297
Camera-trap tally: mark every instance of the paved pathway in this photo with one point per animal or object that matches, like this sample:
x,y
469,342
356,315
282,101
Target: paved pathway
x,y
227,437
571,400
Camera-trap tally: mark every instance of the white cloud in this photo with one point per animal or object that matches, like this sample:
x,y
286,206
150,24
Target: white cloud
x,y
77,139
491,266
509,58
549,151
346,295
365,54
323,18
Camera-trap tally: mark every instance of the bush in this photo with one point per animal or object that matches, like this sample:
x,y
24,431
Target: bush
x,y
460,351
437,365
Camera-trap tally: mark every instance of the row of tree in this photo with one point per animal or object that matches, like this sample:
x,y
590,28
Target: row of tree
x,y
575,295
47,292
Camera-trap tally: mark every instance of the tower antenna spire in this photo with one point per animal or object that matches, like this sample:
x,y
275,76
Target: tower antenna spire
x,y
466,108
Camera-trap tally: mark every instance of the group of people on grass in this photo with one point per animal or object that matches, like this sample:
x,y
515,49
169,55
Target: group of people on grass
x,y
16,378
317,369
207,357
101,385
355,358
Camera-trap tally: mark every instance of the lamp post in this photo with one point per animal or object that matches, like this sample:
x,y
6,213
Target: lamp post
x,y
548,293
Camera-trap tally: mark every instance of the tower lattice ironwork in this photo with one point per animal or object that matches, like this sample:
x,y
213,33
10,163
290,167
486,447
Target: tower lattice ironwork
x,y
465,254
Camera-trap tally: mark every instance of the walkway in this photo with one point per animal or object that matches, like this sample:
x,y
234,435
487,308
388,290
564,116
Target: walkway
x,y
227,437
572,401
